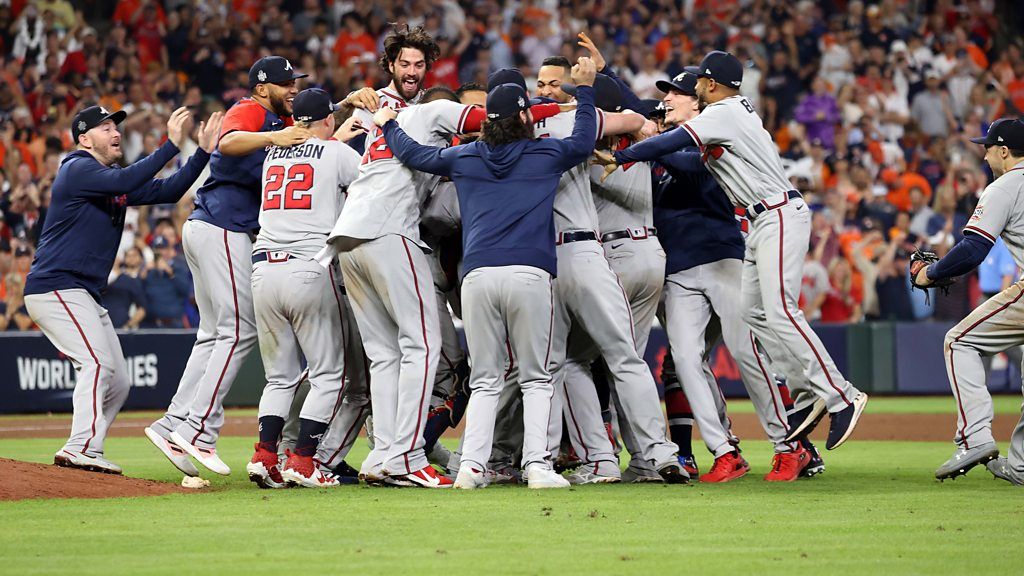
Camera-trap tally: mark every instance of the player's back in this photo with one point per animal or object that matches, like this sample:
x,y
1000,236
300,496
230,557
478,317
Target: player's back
x,y
387,195
574,202
739,151
624,200
303,195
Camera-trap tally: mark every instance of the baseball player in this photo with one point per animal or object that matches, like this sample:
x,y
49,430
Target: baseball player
x,y
703,284
76,253
217,240
408,55
588,294
299,309
389,284
743,159
509,262
997,323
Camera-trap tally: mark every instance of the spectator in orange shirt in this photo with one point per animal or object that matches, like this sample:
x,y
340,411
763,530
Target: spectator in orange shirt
x,y
675,37
900,186
354,45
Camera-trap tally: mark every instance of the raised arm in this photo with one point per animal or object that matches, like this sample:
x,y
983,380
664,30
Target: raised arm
x,y
171,189
94,180
629,98
578,146
413,154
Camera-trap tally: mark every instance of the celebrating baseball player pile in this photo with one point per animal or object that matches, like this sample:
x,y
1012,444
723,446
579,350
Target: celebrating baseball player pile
x,y
346,268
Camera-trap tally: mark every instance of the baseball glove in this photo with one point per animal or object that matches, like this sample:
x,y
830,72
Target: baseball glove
x,y
920,260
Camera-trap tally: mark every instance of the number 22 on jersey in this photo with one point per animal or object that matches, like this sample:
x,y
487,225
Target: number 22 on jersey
x,y
296,183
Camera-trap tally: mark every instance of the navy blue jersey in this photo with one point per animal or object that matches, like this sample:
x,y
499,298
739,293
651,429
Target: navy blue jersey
x,y
696,222
230,197
87,204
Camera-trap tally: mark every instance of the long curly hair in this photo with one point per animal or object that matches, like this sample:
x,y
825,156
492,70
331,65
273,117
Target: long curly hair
x,y
416,38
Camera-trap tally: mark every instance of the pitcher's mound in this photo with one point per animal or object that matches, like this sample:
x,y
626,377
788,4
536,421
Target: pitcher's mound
x,y
23,480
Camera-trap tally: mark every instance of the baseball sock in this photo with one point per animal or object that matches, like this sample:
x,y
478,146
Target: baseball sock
x,y
270,432
310,433
680,418
787,404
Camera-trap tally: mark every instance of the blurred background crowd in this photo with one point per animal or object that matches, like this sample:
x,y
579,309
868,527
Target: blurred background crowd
x,y
871,104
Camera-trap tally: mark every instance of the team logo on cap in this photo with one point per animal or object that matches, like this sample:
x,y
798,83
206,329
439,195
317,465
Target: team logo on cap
x,y
999,138
262,75
707,70
81,125
104,111
680,77
521,102
287,65
735,83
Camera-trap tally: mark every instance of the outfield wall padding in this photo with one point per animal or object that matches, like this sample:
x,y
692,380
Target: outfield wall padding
x,y
887,358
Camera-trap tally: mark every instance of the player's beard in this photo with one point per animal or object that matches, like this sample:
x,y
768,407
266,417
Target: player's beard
x,y
400,85
108,152
279,105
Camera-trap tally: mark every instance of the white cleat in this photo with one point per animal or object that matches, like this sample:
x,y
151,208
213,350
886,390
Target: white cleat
x,y
540,477
205,456
173,452
586,475
72,459
470,478
303,471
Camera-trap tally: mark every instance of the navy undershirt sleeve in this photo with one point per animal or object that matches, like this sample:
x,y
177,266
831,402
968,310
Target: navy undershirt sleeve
x,y
964,257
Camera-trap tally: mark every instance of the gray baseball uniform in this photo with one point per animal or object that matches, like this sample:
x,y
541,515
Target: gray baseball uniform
x,y
994,326
390,286
218,259
588,292
624,209
741,155
299,307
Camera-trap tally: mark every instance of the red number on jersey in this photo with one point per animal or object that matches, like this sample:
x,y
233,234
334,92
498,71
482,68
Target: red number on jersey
x,y
377,150
300,179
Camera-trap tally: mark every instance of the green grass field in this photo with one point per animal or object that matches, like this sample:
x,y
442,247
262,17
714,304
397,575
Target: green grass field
x,y
876,510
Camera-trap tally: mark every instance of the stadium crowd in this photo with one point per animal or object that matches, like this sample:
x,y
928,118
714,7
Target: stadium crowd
x,y
872,105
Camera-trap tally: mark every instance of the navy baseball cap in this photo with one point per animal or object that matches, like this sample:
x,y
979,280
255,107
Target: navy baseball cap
x,y
685,82
506,101
607,94
506,76
312,104
92,117
272,70
1004,132
723,68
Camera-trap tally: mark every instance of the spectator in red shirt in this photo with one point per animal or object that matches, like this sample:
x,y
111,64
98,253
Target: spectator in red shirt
x,y
354,45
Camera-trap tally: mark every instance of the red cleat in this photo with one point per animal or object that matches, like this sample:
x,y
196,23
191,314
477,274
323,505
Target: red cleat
x,y
426,477
786,467
726,468
263,469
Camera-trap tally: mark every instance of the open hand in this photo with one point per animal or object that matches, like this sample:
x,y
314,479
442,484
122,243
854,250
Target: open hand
x,y
209,132
176,126
290,136
602,158
365,98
